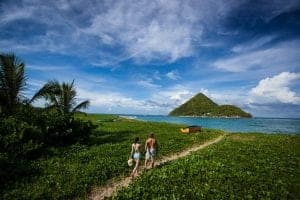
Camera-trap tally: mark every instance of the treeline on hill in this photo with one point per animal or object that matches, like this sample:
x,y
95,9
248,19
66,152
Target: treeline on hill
x,y
26,131
201,105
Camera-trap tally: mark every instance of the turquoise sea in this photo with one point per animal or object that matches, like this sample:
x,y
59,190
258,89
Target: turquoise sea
x,y
262,125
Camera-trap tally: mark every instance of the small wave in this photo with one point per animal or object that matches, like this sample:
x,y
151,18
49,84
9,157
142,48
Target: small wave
x,y
128,117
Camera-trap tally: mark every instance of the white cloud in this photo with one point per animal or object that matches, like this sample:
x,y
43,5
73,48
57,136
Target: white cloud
x,y
173,75
276,90
253,44
47,68
15,15
110,99
173,96
148,84
280,56
235,97
159,102
114,102
155,30
143,30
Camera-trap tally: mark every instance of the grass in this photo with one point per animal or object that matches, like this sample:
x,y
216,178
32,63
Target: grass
x,y
243,166
70,172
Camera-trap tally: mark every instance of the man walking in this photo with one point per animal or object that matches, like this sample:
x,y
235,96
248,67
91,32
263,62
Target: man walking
x,y
150,148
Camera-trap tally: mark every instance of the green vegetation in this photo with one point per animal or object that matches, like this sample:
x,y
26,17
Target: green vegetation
x,y
243,166
27,132
70,171
201,105
12,83
60,96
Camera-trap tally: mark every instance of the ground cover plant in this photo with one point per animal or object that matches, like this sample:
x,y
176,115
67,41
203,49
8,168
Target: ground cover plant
x,y
243,166
71,171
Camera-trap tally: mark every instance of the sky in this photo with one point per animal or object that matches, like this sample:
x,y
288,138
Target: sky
x,y
148,57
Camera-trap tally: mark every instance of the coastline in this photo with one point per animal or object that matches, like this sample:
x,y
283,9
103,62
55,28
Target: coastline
x,y
243,125
205,116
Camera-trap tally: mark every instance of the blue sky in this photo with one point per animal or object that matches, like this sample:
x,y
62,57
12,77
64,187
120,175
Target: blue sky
x,y
148,57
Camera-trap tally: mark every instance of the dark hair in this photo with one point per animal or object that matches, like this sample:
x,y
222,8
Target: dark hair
x,y
136,140
152,135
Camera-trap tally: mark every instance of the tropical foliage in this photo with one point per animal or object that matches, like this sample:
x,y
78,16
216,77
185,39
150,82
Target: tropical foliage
x,y
60,96
26,131
244,166
12,83
201,105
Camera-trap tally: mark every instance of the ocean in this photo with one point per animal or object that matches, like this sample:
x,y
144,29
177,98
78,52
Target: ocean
x,y
261,125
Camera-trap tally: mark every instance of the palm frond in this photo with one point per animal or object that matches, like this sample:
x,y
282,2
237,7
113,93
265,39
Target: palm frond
x,y
48,91
12,81
82,105
61,96
68,97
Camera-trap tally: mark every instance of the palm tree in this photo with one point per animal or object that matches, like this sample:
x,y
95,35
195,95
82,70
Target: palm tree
x,y
12,82
60,96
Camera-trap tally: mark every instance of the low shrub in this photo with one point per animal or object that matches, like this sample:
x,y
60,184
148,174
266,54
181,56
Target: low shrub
x,y
19,142
64,129
25,136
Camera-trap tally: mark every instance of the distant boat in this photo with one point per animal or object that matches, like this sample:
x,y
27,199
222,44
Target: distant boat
x,y
190,129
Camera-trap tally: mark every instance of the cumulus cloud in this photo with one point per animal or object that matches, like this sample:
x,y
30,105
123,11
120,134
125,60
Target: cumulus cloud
x,y
115,102
276,89
173,96
159,102
110,99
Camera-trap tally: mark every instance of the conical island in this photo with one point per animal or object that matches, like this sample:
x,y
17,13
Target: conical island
x,y
202,106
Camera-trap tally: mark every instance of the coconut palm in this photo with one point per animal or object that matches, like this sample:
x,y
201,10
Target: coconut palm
x,y
60,96
12,82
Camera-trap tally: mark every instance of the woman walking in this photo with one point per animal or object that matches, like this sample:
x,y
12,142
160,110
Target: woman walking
x,y
136,155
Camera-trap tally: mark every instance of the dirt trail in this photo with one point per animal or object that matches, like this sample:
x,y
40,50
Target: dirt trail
x,y
113,185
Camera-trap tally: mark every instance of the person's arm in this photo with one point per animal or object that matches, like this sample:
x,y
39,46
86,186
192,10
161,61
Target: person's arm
x,y
146,145
131,153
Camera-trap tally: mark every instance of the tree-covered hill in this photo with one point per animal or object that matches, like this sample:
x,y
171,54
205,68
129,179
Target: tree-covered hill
x,y
201,105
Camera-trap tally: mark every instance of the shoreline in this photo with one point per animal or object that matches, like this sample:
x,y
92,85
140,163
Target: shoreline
x,y
236,125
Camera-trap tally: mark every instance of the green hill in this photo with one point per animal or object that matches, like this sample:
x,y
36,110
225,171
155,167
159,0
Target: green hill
x,y
201,105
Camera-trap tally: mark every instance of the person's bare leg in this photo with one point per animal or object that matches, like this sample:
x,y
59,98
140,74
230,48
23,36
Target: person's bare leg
x,y
137,167
152,162
146,162
134,169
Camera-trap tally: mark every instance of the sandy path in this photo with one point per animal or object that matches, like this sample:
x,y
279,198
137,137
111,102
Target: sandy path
x,y
113,185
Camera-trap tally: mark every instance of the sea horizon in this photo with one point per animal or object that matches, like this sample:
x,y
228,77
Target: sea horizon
x,y
269,125
256,117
